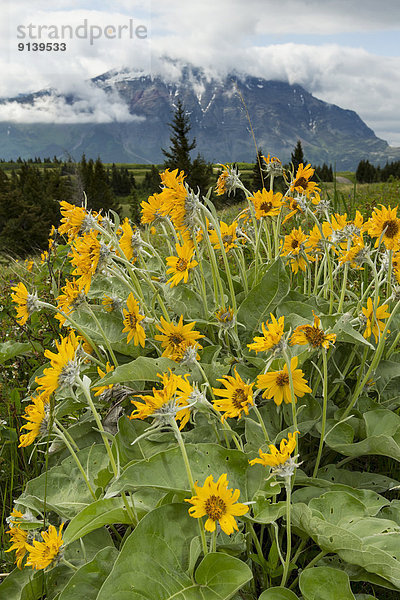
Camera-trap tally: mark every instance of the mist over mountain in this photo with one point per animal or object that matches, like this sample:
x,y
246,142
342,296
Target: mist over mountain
x,y
126,120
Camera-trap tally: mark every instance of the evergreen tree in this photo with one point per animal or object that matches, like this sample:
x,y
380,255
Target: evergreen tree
x,y
297,156
198,172
178,155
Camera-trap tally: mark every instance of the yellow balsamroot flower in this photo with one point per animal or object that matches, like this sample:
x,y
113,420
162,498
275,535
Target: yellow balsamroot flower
x,y
19,544
294,246
85,258
36,415
179,265
277,385
293,206
70,299
235,398
111,303
173,198
132,321
384,224
276,457
267,204
272,334
228,235
317,238
228,181
103,388
355,255
171,401
26,303
176,338
301,181
225,315
64,366
42,554
72,219
374,317
152,209
129,242
312,335
218,503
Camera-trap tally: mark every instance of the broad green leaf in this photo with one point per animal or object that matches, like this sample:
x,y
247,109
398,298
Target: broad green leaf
x,y
63,487
9,350
346,537
373,481
154,560
264,297
11,587
324,583
267,512
99,513
142,368
346,333
383,435
166,471
87,581
184,301
278,593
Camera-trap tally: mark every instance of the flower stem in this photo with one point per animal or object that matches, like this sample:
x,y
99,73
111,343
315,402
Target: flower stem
x,y
288,489
185,457
106,341
261,421
324,410
76,459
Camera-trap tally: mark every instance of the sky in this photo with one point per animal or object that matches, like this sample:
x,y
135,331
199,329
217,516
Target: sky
x,y
346,52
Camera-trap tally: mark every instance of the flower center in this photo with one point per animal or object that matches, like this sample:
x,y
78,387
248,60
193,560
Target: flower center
x,y
215,507
227,239
239,397
266,206
301,182
314,336
176,339
181,265
391,228
282,379
294,244
132,320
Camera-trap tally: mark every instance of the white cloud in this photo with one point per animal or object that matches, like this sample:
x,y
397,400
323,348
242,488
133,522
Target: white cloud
x,y
91,105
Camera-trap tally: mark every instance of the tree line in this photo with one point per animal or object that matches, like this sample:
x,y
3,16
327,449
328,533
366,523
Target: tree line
x,y
367,173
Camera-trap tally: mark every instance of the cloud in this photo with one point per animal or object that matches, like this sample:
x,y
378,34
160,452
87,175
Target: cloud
x,y
90,105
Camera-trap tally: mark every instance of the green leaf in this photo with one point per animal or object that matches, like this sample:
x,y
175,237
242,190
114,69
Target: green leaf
x,y
87,581
154,560
324,583
11,587
166,470
383,435
142,368
278,593
361,480
264,297
99,513
357,539
63,488
9,350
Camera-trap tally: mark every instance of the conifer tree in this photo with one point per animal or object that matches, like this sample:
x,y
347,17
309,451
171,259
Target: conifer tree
x,y
198,172
297,156
178,155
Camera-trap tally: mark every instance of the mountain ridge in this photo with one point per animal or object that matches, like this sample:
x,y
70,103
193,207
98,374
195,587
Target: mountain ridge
x,y
280,113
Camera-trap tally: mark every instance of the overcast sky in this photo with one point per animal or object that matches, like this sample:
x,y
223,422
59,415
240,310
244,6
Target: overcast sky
x,y
346,52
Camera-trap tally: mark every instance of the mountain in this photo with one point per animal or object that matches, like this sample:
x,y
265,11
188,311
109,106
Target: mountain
x,y
280,115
